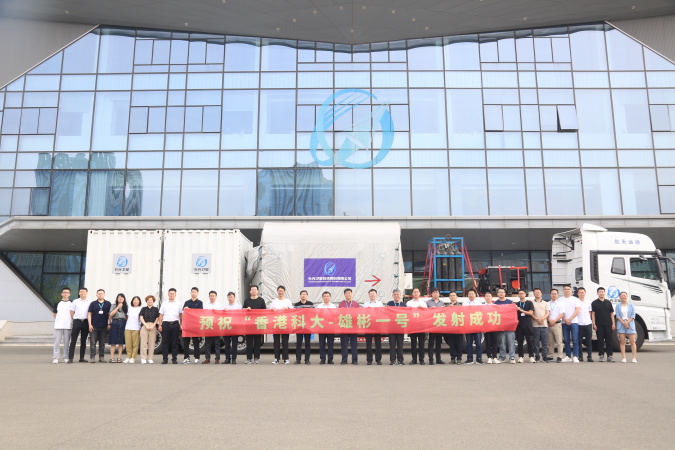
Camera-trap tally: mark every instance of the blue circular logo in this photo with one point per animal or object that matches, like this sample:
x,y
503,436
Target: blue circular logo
x,y
201,261
360,136
613,292
329,268
122,261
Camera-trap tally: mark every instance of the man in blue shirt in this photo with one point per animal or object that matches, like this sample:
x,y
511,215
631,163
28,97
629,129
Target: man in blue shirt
x,y
505,338
396,340
193,303
99,311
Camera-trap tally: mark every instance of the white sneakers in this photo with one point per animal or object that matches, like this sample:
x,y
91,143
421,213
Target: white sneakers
x,y
142,361
489,360
288,362
520,360
276,361
131,361
56,361
623,360
196,361
186,361
513,361
150,361
635,361
532,360
496,361
576,360
566,359
126,360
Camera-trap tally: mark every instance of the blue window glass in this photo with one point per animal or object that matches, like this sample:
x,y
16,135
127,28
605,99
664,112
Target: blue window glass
x,y
68,193
175,119
461,52
5,201
596,124
631,115
465,118
73,131
81,56
143,52
117,50
29,120
536,196
507,192
65,161
430,193
277,119
47,124
107,160
276,192
11,121
667,196
31,161
145,160
240,120
52,65
427,119
171,192
353,192
111,121
106,193
598,158
468,192
623,52
563,192
638,191
391,192
242,54
601,192
237,193
143,193
425,54
199,193
314,192
179,49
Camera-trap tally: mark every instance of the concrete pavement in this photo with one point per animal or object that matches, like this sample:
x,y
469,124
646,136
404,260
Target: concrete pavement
x,y
588,405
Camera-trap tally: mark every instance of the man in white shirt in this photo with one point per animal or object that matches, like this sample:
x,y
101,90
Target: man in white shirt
x,y
555,337
63,324
281,303
170,316
585,325
417,339
213,305
231,342
570,325
373,302
326,341
473,337
79,311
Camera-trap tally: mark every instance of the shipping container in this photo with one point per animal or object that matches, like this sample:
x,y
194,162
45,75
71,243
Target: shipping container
x,y
205,259
124,261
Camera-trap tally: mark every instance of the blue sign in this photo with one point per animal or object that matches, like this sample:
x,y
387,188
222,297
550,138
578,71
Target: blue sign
x,y
201,261
337,272
334,107
122,261
613,292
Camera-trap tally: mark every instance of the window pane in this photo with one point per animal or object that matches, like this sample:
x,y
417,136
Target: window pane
x,y
660,118
242,54
588,47
73,131
631,115
391,191
667,194
81,57
430,193
465,118
277,119
143,193
353,192
567,118
427,114
106,193
279,55
601,192
623,52
638,191
111,120
493,118
507,192
276,192
461,52
563,192
237,193
117,50
69,190
240,120
536,199
468,192
314,192
199,193
425,54
171,192
596,125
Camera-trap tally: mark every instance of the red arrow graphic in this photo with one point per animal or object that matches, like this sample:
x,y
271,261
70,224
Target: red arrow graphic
x,y
375,281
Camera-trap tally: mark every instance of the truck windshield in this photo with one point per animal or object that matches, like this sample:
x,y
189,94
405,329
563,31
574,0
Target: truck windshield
x,y
644,268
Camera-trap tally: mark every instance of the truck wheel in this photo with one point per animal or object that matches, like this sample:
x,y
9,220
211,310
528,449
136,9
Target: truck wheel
x,y
202,345
241,345
639,339
158,342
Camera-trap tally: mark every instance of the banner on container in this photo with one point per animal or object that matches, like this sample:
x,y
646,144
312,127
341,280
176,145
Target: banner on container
x,y
333,272
385,320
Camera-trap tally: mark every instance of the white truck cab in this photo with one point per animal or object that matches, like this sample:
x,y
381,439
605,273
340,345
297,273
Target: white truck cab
x,y
593,257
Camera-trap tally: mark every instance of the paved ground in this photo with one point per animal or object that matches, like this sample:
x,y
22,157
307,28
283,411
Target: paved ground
x,y
43,405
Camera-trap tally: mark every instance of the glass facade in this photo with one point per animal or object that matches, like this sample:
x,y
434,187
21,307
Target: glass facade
x,y
571,120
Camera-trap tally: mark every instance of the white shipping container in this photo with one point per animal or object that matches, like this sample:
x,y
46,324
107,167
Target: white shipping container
x,y
139,275
222,252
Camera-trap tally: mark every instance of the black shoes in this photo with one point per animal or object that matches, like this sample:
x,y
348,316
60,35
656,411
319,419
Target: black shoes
x,y
297,361
322,362
330,361
165,361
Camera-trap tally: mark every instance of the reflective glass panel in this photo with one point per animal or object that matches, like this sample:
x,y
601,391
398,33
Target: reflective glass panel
x,y
276,192
314,192
353,192
623,52
507,192
563,192
199,193
237,193
68,193
536,197
111,121
601,192
468,191
391,192
631,115
596,125
143,193
638,191
73,130
465,118
430,193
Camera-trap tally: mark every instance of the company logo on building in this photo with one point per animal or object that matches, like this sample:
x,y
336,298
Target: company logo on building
x,y
121,263
360,137
336,272
201,263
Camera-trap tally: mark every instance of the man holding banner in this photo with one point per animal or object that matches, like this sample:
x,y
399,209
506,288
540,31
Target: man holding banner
x,y
303,303
396,340
253,342
349,339
281,303
326,341
435,339
417,339
373,303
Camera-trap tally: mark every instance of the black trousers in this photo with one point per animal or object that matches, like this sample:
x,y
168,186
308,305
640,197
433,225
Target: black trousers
x,y
211,341
417,346
231,343
396,348
455,342
491,345
298,346
98,335
586,334
369,347
170,332
253,343
81,329
604,335
326,343
526,332
435,343
349,340
280,340
186,347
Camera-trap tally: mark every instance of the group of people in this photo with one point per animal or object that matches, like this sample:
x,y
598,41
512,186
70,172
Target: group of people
x,y
545,326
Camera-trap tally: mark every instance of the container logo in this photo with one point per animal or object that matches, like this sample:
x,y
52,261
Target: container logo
x,y
613,292
201,263
358,135
121,263
336,272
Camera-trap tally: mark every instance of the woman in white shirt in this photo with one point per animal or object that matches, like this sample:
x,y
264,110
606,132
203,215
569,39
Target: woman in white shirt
x,y
625,326
132,331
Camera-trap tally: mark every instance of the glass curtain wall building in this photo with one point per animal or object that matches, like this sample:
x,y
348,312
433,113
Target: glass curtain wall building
x,y
571,120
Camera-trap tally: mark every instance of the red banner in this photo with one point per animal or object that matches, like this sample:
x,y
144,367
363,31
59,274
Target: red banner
x,y
385,320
